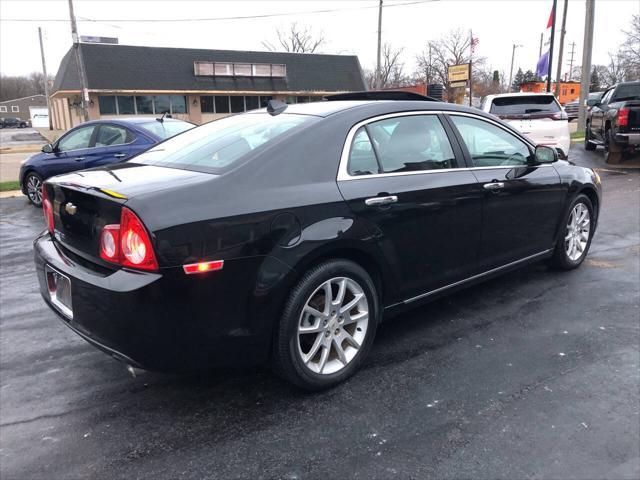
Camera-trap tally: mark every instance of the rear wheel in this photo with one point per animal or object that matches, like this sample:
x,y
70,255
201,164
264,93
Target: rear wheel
x,y
33,188
575,237
588,143
327,327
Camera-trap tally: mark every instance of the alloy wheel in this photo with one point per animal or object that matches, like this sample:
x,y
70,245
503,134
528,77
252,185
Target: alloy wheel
x,y
577,233
34,189
333,325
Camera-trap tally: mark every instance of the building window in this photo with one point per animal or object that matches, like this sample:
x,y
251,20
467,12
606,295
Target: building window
x,y
206,104
222,104
203,68
564,91
126,105
162,104
278,70
262,70
573,90
107,105
237,104
15,108
3,108
264,100
178,104
290,99
252,103
242,69
224,69
144,104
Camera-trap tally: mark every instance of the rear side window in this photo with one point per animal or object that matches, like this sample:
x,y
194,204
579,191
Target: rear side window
x,y
112,135
217,146
411,143
524,104
629,91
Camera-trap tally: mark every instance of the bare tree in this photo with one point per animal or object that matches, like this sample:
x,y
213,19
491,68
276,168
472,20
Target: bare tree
x,y
297,39
12,87
391,70
630,50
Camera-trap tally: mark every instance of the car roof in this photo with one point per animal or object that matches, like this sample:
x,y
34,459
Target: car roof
x,y
129,121
520,94
327,108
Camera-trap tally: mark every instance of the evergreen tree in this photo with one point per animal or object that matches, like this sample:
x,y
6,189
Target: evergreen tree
x,y
517,81
594,86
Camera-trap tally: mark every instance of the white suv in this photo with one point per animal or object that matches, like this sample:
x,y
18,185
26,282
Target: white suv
x,y
537,115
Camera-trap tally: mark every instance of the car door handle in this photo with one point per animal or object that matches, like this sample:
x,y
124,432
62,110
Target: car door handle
x,y
79,159
493,186
120,155
377,201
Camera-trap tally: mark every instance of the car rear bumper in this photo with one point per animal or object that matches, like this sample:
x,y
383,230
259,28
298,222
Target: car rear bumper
x,y
628,138
165,321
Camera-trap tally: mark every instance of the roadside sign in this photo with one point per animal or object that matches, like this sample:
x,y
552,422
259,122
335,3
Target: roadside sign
x,y
458,84
457,73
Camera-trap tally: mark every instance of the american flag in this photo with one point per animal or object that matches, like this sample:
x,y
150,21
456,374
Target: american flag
x,y
474,43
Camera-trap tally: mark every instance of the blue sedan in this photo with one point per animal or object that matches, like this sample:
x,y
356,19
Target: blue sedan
x,y
93,144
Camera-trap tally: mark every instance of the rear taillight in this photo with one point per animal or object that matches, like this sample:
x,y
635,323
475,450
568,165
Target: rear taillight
x,y
47,209
559,116
623,117
128,244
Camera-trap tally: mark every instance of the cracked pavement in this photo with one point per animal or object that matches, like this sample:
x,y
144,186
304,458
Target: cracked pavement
x,y
532,374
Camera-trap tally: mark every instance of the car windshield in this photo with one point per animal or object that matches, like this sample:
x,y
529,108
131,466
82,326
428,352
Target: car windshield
x,y
216,146
524,104
628,91
166,129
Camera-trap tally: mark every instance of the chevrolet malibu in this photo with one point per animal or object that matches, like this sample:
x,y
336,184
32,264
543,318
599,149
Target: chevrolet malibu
x,y
286,235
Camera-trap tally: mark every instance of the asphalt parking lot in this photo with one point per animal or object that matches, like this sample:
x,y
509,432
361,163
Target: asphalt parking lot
x,y
532,375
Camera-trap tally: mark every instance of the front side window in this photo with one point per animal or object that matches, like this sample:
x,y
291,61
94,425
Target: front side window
x,y
111,135
216,146
411,143
76,140
362,158
490,145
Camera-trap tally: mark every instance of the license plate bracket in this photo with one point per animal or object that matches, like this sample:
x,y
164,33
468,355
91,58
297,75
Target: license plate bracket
x,y
59,287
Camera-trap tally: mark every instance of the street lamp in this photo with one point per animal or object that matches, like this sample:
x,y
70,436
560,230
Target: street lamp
x,y
513,54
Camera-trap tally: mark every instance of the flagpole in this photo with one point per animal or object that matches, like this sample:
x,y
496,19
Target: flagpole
x,y
553,31
470,71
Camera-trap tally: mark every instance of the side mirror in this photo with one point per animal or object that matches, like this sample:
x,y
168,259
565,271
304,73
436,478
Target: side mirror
x,y
592,102
48,148
546,154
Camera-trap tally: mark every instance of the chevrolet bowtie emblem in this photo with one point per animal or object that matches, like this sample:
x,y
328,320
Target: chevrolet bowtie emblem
x,y
71,208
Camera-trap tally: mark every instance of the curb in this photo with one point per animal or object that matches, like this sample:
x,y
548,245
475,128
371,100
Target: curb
x,y
25,149
11,194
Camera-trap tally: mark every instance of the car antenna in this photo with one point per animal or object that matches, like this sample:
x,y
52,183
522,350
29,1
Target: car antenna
x,y
276,107
161,119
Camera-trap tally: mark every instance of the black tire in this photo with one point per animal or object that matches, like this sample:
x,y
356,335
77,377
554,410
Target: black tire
x,y
561,258
287,356
36,200
588,144
612,151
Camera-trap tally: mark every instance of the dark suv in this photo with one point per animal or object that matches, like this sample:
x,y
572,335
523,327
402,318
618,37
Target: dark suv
x,y
13,122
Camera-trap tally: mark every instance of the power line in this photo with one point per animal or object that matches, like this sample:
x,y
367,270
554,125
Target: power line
x,y
215,19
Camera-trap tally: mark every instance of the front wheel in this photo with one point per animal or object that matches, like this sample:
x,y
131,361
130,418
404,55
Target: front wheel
x,y
327,326
33,188
575,237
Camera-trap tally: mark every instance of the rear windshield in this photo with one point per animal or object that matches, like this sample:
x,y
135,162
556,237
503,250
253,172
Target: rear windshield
x,y
524,104
629,91
166,129
216,146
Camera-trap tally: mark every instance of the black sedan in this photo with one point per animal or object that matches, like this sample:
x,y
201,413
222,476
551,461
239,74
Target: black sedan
x,y
287,235
13,122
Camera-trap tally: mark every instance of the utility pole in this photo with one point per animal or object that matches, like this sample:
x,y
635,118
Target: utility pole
x,y
82,75
573,50
379,45
562,32
587,45
513,54
541,38
553,33
470,68
46,80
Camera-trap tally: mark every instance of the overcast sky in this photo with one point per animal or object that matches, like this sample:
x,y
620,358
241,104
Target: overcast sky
x,y
350,27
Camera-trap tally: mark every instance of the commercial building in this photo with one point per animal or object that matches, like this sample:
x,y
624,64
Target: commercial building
x,y
193,84
569,91
20,107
